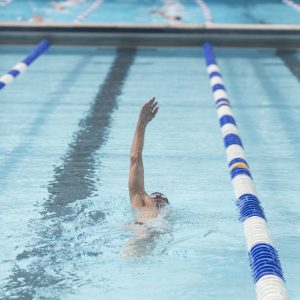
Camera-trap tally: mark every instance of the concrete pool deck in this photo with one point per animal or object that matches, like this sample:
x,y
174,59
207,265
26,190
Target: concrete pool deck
x,y
120,34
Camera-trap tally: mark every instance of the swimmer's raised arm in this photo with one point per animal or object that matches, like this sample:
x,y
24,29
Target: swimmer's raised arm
x,y
136,175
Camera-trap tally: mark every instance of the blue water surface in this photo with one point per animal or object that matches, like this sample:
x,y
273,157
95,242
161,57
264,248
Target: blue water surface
x,y
139,11
64,205
112,11
254,12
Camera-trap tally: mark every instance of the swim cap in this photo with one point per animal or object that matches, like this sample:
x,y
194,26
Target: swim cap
x,y
158,197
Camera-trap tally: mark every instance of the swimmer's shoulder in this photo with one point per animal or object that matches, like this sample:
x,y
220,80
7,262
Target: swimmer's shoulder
x,y
144,213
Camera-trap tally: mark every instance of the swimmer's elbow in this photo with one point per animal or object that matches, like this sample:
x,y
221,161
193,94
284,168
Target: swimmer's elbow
x,y
135,158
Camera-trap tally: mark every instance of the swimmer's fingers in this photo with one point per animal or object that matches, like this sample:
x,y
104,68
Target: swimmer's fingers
x,y
153,105
155,112
151,101
148,104
148,111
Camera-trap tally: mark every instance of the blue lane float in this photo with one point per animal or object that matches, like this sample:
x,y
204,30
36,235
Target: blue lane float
x,y
264,259
21,67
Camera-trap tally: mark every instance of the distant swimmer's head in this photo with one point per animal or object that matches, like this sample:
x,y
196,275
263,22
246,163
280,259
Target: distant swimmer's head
x,y
160,199
178,18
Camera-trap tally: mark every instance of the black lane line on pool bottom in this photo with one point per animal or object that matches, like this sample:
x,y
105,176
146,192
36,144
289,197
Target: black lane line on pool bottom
x,y
249,15
289,57
46,260
73,180
289,120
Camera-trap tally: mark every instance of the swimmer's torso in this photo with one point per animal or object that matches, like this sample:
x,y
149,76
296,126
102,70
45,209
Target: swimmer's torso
x,y
145,213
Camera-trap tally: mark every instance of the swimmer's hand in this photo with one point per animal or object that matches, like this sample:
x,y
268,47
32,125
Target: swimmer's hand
x,y
148,111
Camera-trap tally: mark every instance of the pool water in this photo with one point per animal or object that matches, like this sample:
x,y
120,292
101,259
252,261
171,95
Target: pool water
x,y
253,12
66,131
115,11
139,11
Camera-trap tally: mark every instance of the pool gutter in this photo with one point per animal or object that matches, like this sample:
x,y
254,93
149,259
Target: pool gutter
x,y
118,34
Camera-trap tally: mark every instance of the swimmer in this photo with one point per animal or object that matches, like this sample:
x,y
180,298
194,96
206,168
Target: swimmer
x,y
37,19
147,206
171,11
175,19
65,4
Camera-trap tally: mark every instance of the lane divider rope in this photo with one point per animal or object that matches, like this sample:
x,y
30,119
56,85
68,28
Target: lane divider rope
x,y
205,11
88,11
264,259
21,67
292,4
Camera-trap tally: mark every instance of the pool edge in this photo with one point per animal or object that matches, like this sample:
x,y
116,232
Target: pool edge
x,y
126,35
